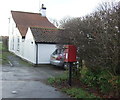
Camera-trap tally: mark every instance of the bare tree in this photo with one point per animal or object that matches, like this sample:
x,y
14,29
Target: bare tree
x,y
96,36
55,22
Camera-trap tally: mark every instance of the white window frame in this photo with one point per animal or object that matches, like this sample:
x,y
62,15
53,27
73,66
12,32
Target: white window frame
x,y
13,43
18,44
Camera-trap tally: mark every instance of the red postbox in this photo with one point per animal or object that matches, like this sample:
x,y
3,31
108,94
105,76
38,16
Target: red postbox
x,y
70,53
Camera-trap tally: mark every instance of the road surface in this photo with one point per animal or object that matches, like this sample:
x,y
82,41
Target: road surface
x,y
24,81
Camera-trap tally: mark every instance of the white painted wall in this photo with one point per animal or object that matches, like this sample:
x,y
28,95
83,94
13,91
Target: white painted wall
x,y
10,32
27,49
44,52
29,52
14,34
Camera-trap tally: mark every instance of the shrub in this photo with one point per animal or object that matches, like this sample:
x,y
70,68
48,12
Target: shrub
x,y
101,79
51,80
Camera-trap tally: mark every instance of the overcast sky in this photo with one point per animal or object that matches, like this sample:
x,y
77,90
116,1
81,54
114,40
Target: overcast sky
x,y
56,9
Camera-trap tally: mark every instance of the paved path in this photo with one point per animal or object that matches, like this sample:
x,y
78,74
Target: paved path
x,y
24,81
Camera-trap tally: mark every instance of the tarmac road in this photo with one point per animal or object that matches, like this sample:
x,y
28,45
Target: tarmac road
x,y
24,81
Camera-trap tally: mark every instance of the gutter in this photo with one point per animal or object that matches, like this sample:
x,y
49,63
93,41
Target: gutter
x,y
36,53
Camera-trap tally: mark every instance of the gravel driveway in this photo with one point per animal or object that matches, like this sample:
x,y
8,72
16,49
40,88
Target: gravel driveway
x,y
25,81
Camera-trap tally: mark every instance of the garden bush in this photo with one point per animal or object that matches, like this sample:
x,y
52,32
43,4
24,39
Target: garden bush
x,y
101,79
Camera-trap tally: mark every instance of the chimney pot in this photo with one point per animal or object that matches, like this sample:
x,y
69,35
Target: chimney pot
x,y
43,10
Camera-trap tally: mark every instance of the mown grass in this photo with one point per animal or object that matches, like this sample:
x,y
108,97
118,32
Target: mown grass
x,y
58,79
23,62
78,93
89,84
4,57
3,54
75,92
0,46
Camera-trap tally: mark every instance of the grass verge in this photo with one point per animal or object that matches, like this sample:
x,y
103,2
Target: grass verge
x,y
61,83
24,62
4,57
3,54
78,93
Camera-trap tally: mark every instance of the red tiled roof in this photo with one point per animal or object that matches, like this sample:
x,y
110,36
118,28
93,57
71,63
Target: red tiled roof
x,y
24,20
22,29
44,35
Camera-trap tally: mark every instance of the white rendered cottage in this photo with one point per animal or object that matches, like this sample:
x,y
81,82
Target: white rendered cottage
x,y
32,37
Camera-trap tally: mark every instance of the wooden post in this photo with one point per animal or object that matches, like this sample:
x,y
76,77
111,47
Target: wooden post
x,y
70,73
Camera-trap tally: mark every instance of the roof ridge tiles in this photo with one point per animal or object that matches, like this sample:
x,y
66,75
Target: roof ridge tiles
x,y
26,12
47,28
